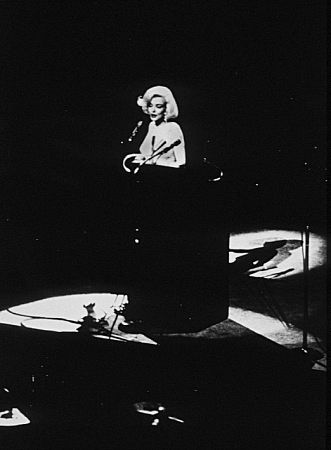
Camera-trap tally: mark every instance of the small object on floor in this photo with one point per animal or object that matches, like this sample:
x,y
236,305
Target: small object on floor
x,y
157,411
121,310
90,324
131,327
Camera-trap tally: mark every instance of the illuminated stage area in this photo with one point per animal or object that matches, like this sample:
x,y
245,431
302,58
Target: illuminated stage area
x,y
70,367
179,305
267,254
65,314
275,254
265,266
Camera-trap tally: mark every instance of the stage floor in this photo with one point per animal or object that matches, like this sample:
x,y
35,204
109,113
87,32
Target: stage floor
x,y
239,374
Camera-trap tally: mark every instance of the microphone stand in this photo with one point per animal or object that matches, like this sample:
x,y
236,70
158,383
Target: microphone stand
x,y
134,132
157,152
310,356
306,292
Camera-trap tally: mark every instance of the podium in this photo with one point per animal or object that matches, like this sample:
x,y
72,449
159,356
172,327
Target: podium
x,y
180,242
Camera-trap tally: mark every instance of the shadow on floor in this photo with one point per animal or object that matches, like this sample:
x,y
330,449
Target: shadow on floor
x,y
235,392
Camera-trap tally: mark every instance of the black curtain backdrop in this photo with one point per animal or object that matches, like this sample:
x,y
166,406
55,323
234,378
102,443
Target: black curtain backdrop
x,y
249,78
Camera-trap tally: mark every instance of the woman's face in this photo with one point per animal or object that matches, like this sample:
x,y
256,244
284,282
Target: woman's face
x,y
156,109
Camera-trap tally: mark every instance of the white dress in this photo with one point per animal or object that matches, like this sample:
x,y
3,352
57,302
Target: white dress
x,y
165,133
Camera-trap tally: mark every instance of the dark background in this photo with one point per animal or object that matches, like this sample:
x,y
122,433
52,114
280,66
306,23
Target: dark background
x,y
250,81
249,78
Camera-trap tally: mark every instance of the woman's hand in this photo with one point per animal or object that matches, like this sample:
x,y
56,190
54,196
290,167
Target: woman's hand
x,y
139,158
131,161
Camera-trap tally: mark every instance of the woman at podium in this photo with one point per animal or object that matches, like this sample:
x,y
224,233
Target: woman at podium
x,y
164,142
172,281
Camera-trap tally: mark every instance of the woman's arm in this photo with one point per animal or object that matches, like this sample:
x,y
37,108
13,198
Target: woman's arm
x,y
175,133
146,146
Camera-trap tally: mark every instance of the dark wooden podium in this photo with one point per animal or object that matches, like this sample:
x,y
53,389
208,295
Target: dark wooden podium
x,y
180,241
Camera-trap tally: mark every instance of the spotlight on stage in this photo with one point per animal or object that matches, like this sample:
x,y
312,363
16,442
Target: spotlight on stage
x,y
274,254
67,314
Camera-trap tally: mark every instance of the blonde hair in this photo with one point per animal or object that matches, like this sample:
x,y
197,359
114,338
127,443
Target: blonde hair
x,y
171,111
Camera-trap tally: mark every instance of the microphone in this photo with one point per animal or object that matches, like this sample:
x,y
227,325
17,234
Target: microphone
x,y
174,144
135,130
158,152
